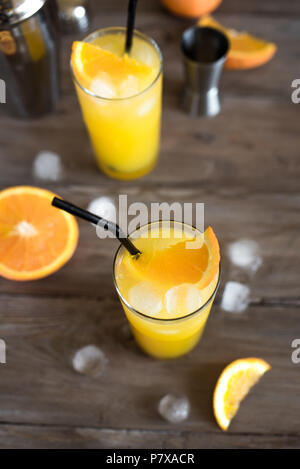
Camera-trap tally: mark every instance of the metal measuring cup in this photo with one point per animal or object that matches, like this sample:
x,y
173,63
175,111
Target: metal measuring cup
x,y
204,52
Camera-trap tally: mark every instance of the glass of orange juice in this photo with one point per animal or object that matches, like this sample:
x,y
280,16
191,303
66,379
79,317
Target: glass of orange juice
x,y
121,99
167,293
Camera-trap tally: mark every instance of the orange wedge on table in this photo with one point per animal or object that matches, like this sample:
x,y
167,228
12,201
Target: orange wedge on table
x,y
88,60
36,239
233,385
245,51
168,264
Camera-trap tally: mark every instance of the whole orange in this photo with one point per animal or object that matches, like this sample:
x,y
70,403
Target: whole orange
x,y
191,8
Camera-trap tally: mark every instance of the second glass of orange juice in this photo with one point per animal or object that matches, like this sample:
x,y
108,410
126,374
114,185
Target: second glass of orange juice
x,y
167,293
120,97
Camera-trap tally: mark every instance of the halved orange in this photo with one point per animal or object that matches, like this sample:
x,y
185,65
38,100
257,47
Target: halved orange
x,y
36,239
88,60
233,385
245,51
191,8
168,263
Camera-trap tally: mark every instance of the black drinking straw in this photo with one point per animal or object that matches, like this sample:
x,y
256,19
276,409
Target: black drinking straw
x,y
130,25
92,218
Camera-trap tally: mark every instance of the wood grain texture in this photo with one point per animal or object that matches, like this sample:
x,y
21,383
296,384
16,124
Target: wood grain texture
x,y
270,219
252,145
39,385
56,437
244,165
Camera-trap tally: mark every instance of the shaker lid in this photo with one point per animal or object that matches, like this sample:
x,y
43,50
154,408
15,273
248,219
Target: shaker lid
x,y
14,11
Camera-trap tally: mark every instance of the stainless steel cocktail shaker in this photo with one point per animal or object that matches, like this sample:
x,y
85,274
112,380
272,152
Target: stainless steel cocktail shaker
x,y
29,56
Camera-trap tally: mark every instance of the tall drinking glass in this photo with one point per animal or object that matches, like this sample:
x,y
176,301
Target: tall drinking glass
x,y
125,132
158,333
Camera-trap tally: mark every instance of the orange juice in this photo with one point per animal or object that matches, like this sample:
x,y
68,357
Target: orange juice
x,y
121,101
167,293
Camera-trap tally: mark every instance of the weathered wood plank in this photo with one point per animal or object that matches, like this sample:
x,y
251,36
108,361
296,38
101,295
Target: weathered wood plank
x,y
271,220
56,437
39,385
245,149
252,144
257,7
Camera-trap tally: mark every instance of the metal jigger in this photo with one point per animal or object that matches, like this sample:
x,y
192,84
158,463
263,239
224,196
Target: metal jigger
x,y
204,50
74,15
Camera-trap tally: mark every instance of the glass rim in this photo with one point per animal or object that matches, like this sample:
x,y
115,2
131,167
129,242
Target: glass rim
x,y
152,318
136,33
200,63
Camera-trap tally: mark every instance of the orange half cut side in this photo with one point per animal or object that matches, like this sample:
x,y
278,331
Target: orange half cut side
x,y
36,239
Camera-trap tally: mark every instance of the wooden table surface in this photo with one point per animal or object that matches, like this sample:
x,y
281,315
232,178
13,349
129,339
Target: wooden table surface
x,y
245,166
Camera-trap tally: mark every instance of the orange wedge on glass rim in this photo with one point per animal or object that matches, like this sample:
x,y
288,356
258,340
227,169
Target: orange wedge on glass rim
x,y
88,60
233,385
36,239
168,264
246,51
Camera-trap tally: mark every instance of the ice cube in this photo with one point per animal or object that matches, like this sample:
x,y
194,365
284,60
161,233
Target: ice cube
x,y
174,408
103,207
236,297
245,253
103,87
90,360
146,106
182,299
129,87
47,166
143,53
145,299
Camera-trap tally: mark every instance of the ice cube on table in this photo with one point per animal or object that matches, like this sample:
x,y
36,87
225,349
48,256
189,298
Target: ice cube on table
x,y
236,297
145,299
103,87
182,299
47,166
174,408
103,207
245,253
129,87
90,360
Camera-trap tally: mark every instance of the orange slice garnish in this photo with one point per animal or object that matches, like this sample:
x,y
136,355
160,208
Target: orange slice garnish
x,y
233,385
170,263
246,51
88,60
36,239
